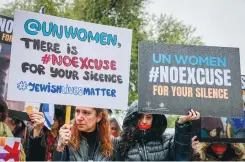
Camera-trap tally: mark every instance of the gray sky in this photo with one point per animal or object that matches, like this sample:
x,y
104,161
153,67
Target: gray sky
x,y
2,2
219,22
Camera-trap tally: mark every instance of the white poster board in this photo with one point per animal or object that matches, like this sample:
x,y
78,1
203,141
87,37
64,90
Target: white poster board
x,y
63,61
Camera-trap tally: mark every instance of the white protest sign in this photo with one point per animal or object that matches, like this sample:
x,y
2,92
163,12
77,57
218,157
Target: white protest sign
x,y
9,149
63,61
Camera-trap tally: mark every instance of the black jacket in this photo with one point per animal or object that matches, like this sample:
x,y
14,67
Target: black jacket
x,y
82,154
153,145
35,147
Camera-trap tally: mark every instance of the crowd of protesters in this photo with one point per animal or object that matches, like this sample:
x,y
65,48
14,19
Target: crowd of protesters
x,y
93,136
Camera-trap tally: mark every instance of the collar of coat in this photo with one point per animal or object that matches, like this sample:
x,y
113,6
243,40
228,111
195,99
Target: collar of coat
x,y
238,148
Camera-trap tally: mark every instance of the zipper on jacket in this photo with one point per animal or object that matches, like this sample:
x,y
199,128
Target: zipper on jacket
x,y
143,143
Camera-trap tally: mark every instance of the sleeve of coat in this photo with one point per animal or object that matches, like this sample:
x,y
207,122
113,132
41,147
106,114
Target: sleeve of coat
x,y
60,156
181,146
116,153
36,147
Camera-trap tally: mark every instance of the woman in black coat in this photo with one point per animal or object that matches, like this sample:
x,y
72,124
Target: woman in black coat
x,y
143,138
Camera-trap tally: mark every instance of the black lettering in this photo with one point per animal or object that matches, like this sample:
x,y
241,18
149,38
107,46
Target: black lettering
x,y
25,66
68,49
27,41
74,50
92,75
40,69
68,74
36,44
114,78
101,76
54,72
96,78
43,46
86,77
61,73
56,48
49,47
75,75
33,68
119,79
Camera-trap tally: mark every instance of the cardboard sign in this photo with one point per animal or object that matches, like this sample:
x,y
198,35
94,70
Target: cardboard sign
x,y
5,50
6,29
10,149
69,62
176,78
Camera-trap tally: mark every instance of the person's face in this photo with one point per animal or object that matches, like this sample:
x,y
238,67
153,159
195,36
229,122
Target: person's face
x,y
145,121
113,127
219,149
86,119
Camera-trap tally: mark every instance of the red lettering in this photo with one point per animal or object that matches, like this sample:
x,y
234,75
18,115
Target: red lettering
x,y
55,60
89,63
98,64
106,66
65,59
113,65
74,62
84,63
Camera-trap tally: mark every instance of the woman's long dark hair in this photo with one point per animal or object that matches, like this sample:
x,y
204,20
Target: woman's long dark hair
x,y
131,134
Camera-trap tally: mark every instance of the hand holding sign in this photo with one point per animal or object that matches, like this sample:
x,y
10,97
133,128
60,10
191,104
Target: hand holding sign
x,y
38,119
64,136
193,115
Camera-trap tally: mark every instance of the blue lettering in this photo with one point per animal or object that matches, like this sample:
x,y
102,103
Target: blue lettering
x,y
80,31
33,26
180,60
70,90
212,61
36,26
103,91
71,32
204,60
108,92
86,91
154,58
92,92
43,88
98,91
44,29
222,62
91,37
80,91
113,93
162,58
64,90
102,38
32,85
55,31
58,89
37,87
53,89
75,90
195,62
111,39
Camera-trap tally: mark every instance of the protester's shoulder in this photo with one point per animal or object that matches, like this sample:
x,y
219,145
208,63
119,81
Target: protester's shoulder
x,y
166,137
